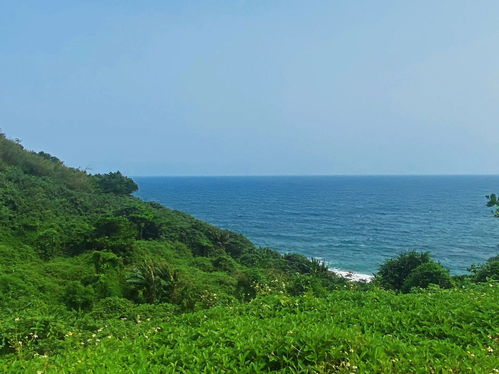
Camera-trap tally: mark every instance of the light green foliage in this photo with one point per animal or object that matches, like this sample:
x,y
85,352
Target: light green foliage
x,y
345,332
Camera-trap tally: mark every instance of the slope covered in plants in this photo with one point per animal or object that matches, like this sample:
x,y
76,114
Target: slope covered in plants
x,y
95,279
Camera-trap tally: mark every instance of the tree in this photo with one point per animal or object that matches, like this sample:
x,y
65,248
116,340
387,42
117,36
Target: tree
x,y
116,183
493,202
490,269
144,220
115,234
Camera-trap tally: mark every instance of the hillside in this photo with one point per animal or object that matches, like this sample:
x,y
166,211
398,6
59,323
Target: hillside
x,y
93,278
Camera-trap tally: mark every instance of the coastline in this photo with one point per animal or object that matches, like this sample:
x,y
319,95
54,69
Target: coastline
x,y
353,276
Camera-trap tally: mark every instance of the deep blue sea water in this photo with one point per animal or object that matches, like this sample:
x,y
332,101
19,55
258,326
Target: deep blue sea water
x,y
352,222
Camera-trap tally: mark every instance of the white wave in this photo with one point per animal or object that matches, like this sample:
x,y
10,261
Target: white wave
x,y
353,276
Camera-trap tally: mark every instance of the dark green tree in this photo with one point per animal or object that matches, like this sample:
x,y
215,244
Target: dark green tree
x,y
116,183
393,273
115,234
493,202
143,219
490,269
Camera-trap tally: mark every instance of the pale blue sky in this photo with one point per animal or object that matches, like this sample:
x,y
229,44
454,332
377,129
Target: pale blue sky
x,y
256,87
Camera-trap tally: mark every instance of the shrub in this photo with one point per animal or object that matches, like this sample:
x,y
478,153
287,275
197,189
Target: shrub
x,y
248,283
393,272
489,270
203,263
301,284
261,257
12,285
296,263
224,263
426,274
78,296
155,280
48,244
112,308
162,311
104,260
107,285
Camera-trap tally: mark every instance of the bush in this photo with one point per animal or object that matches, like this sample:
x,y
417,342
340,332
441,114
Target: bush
x,y
393,272
301,284
112,308
426,274
224,263
78,296
155,281
48,244
296,263
248,283
12,285
107,285
104,260
489,270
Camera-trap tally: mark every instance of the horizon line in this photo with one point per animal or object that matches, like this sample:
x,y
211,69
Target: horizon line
x,y
307,175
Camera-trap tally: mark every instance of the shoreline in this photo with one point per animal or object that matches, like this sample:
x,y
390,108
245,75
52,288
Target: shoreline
x,y
353,276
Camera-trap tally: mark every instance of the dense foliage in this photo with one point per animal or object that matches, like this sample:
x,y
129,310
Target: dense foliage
x,y
493,202
412,269
116,183
346,332
94,279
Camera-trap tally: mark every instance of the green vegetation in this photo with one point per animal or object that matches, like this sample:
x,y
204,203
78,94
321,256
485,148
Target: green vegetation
x,y
489,271
493,202
93,279
412,269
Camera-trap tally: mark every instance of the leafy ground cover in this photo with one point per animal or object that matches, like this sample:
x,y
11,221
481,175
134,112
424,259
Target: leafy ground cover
x,y
433,331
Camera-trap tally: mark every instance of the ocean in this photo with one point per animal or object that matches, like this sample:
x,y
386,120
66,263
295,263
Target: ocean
x,y
354,223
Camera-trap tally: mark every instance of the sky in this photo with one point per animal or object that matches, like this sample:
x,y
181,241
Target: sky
x,y
255,87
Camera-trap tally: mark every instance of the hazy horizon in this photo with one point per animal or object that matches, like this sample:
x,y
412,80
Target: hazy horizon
x,y
255,88
308,175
